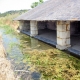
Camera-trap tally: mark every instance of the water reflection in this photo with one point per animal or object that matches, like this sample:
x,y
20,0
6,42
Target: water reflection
x,y
34,43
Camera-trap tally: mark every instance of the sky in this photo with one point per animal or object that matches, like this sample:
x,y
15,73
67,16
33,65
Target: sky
x,y
7,5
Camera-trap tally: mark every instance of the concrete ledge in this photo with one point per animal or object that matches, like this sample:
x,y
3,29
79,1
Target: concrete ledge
x,y
41,38
24,32
45,40
76,52
69,48
33,35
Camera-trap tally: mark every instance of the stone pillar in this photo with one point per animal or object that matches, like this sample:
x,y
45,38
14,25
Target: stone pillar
x,y
33,28
63,35
24,25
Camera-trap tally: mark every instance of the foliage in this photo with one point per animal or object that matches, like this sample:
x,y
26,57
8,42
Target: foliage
x,y
53,64
7,18
8,29
34,4
12,12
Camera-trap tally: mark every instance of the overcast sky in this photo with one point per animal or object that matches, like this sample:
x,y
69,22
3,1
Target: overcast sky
x,y
7,5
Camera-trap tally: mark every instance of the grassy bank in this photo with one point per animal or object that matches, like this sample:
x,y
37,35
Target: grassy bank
x,y
8,29
6,72
54,64
8,24
8,20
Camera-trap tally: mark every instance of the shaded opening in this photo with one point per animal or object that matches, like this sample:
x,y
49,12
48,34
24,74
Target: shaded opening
x,y
46,26
75,35
47,31
75,28
24,26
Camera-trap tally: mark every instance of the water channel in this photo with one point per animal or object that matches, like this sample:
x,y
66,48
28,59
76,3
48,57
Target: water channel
x,y
34,60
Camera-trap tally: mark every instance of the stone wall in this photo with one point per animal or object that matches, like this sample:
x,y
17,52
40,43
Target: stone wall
x,y
51,25
46,25
41,25
24,25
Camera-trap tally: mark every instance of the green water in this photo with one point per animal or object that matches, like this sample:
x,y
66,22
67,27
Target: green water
x,y
34,60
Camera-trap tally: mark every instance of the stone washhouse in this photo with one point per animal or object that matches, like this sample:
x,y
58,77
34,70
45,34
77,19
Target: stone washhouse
x,y
56,22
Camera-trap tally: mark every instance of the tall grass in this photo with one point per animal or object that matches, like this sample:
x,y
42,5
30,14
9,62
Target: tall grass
x,y
8,29
8,24
8,20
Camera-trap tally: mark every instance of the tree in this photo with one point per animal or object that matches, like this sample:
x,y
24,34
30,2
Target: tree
x,y
41,1
34,4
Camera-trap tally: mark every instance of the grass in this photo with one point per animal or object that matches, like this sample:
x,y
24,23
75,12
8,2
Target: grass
x,y
8,24
8,20
54,64
8,29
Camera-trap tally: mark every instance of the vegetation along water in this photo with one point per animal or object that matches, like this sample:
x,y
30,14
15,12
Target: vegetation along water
x,y
34,60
